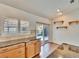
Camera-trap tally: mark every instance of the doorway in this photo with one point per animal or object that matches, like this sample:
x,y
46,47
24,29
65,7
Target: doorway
x,y
42,31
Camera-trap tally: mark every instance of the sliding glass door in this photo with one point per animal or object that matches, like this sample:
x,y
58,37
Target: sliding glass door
x,y
42,32
39,31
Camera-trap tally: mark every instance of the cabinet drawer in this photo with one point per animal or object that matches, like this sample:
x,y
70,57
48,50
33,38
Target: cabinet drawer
x,y
10,48
3,55
16,53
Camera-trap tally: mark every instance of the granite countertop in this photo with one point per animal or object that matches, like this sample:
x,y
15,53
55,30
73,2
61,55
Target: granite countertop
x,y
6,41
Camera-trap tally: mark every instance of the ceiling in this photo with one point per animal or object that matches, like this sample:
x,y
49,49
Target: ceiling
x,y
43,8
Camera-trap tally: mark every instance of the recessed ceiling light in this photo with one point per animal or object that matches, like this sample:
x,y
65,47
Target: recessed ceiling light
x,y
58,10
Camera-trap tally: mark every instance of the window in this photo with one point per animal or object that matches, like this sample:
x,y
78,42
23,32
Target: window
x,y
10,26
14,26
24,26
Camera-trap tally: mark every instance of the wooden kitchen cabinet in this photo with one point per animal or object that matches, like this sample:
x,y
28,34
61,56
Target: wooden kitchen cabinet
x,y
37,47
21,50
14,51
32,48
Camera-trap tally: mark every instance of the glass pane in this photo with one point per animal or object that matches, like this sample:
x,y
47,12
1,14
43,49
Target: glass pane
x,y
10,26
39,31
12,30
6,29
24,26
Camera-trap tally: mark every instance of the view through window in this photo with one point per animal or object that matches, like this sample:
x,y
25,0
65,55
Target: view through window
x,y
13,26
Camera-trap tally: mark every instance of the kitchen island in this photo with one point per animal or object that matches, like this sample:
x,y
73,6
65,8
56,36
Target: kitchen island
x,y
19,46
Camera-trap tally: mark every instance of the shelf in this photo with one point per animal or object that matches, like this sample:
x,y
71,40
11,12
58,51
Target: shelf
x,y
65,27
76,22
58,22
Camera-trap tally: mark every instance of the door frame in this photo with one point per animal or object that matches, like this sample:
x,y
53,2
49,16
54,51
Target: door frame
x,y
43,28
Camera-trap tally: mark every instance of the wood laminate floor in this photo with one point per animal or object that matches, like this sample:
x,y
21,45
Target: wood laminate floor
x,y
64,54
50,50
47,49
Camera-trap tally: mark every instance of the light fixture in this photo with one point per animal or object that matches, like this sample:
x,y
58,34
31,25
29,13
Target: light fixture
x,y
59,12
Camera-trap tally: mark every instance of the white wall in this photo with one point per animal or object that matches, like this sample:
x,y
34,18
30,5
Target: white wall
x,y
70,35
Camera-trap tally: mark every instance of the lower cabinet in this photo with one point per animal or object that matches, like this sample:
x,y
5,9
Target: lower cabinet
x,y
37,47
21,50
32,48
15,51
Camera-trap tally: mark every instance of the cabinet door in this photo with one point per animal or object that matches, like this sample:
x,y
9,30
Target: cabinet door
x,y
15,51
3,55
30,49
37,47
